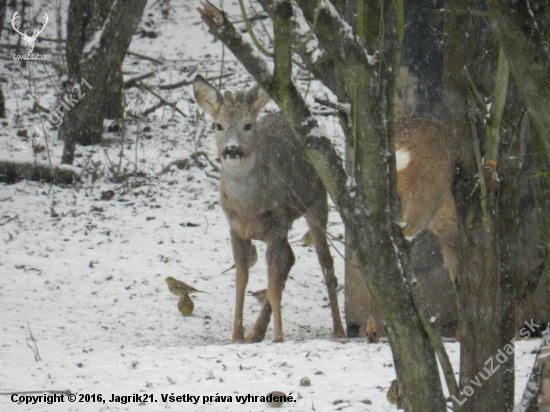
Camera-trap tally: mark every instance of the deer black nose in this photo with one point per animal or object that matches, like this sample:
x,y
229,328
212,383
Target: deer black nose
x,y
233,152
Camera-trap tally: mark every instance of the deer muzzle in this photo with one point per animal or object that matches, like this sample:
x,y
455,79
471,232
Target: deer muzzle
x,y
233,152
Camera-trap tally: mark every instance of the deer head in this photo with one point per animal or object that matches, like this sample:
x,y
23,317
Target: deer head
x,y
29,40
235,119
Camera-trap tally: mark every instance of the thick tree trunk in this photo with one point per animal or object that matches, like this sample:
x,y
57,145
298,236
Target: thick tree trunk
x,y
95,52
526,48
508,211
480,293
90,17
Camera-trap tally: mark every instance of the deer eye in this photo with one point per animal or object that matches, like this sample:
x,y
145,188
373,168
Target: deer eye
x,y
248,126
219,126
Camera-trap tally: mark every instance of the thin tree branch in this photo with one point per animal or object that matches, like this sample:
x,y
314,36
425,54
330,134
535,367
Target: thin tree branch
x,y
173,105
134,81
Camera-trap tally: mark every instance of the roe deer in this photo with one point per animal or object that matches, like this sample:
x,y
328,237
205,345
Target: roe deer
x,y
266,183
424,177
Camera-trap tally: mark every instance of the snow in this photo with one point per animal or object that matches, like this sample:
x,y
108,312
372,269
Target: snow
x,y
318,132
87,278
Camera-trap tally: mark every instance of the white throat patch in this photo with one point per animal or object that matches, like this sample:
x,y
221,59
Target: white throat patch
x,y
239,167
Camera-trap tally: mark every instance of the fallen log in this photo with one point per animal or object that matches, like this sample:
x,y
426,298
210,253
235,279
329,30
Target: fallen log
x,y
13,171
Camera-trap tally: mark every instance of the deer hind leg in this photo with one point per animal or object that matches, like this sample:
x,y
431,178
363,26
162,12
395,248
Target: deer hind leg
x,y
260,327
280,260
372,330
241,252
417,214
317,218
444,227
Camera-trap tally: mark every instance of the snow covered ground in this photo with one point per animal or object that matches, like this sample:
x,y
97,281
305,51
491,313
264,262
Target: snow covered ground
x,y
83,271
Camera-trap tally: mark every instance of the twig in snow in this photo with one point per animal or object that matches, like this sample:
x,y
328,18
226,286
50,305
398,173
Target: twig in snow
x,y
8,218
133,82
142,56
152,109
173,105
195,156
35,349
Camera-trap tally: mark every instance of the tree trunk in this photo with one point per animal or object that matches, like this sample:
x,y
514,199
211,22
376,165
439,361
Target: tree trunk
x,y
512,267
99,34
526,48
479,293
89,18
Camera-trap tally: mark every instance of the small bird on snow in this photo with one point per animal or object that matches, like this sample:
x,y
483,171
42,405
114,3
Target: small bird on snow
x,y
393,395
179,288
186,305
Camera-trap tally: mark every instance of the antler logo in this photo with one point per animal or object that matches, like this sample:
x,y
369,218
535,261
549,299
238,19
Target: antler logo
x,y
29,40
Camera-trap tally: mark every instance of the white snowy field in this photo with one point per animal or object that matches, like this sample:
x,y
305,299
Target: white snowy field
x,y
90,285
84,272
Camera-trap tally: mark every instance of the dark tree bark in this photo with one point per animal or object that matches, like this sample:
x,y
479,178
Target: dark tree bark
x,y
512,264
423,54
524,39
99,34
484,325
89,18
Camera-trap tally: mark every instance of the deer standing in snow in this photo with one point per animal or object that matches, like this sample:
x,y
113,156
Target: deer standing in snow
x,y
266,183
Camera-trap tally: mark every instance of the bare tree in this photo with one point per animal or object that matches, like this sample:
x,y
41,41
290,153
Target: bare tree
x,y
98,36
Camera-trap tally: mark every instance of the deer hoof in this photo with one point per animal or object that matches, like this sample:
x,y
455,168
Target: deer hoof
x,y
253,337
339,334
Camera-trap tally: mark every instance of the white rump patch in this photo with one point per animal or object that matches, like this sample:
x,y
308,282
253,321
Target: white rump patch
x,y
402,159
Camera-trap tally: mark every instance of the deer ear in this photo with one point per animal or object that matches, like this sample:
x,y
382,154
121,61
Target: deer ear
x,y
208,97
257,98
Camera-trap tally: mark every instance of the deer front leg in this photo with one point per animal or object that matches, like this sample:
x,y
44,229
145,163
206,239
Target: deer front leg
x,y
241,252
280,260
